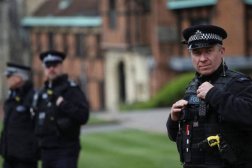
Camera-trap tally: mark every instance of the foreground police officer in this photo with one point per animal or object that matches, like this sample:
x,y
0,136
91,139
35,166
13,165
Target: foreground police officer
x,y
18,143
61,108
212,124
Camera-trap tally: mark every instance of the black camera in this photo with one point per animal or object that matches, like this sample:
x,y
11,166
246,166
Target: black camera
x,y
191,111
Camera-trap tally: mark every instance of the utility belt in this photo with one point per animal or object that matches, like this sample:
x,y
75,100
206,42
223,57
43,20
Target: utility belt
x,y
212,150
224,148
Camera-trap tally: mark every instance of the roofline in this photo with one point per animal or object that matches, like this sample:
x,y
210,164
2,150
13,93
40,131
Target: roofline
x,y
182,4
248,2
69,21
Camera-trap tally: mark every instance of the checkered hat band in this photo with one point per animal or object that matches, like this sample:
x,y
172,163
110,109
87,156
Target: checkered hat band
x,y
205,36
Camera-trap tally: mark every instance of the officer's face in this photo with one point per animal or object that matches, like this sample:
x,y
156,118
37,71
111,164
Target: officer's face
x,y
53,71
207,60
14,81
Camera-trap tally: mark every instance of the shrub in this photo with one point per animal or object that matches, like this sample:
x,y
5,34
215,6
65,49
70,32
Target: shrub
x,y
171,92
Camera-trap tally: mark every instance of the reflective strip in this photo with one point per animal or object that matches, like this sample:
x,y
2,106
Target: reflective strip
x,y
50,57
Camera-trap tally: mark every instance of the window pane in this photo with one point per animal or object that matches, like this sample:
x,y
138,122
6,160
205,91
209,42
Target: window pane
x,y
112,14
80,44
51,40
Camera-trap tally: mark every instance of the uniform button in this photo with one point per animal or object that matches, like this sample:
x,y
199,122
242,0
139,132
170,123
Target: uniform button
x,y
51,118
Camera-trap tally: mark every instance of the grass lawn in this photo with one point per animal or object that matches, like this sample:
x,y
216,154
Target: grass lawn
x,y
97,121
128,149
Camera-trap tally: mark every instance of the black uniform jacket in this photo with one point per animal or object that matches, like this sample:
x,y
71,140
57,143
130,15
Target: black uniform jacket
x,y
18,140
234,108
59,126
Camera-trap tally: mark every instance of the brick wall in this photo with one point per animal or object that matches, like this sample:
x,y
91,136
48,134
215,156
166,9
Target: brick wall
x,y
231,16
87,70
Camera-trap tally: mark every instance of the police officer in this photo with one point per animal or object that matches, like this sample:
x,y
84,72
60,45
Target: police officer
x,y
61,108
19,147
212,124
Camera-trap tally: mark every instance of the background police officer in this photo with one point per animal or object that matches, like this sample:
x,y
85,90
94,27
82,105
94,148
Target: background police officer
x,y
61,108
18,143
212,124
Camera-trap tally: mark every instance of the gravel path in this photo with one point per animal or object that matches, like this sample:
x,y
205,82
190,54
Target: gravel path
x,y
153,120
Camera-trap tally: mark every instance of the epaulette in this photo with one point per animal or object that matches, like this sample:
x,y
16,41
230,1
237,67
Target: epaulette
x,y
241,79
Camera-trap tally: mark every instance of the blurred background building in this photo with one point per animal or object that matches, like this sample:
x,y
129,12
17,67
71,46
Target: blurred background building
x,y
120,51
13,38
74,27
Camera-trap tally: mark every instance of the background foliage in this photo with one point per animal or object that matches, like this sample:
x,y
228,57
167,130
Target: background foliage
x,y
170,93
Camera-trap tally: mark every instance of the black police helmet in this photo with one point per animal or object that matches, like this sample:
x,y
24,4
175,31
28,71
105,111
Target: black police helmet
x,y
17,69
52,57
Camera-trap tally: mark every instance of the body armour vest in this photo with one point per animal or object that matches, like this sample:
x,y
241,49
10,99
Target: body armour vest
x,y
198,122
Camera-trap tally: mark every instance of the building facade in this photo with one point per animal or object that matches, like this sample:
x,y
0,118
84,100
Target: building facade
x,y
12,38
125,51
150,31
234,16
72,27
4,44
126,45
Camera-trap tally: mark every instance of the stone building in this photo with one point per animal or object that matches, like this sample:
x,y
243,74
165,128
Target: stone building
x,y
12,38
126,44
4,44
139,38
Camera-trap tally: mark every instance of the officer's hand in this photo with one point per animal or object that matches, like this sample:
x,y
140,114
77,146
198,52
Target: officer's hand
x,y
176,109
203,89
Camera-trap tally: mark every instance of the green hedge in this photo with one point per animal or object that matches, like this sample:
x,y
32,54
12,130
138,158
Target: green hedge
x,y
171,92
